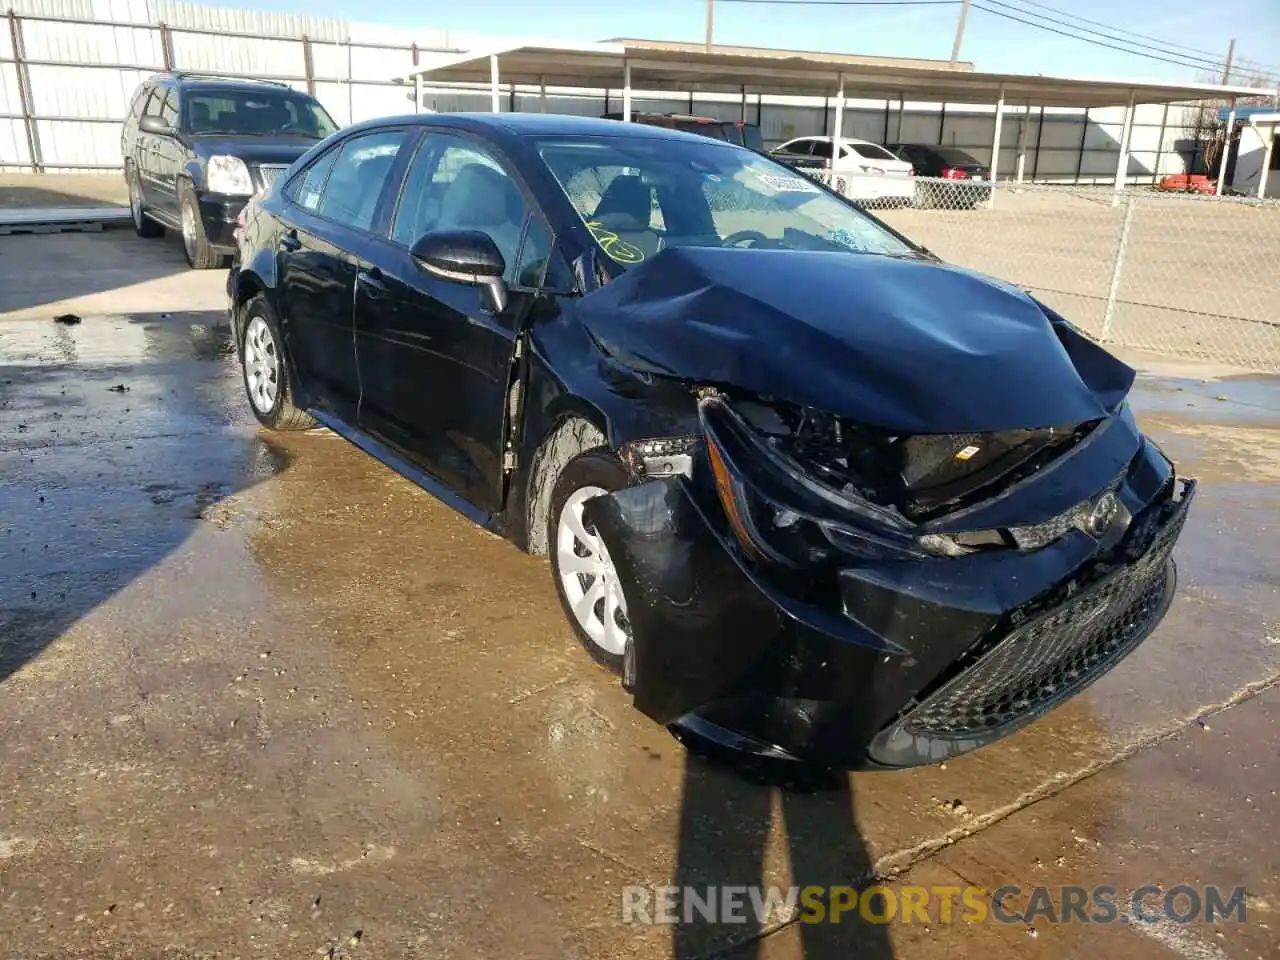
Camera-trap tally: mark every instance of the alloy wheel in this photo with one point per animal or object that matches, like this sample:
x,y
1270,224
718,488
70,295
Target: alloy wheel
x,y
588,576
189,231
261,366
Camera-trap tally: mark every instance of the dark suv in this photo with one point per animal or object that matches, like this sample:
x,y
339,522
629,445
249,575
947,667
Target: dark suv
x,y
196,148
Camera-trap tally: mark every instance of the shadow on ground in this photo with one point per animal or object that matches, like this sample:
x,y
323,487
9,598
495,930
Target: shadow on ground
x,y
53,191
117,438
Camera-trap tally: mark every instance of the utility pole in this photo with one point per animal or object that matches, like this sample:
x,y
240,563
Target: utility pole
x,y
1226,70
711,16
955,47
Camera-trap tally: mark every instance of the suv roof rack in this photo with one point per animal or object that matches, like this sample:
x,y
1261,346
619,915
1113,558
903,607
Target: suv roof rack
x,y
185,75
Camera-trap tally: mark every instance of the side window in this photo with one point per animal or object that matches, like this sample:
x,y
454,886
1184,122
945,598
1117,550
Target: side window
x,y
358,176
154,102
305,190
539,261
139,101
822,148
169,108
456,184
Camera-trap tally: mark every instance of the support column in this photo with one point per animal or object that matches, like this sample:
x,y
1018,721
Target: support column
x,y
1226,147
1267,154
495,92
837,128
1122,164
743,114
1022,141
25,100
542,94
308,64
902,104
995,139
417,93
626,91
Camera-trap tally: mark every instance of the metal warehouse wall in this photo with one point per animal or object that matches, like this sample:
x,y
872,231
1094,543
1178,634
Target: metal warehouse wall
x,y
69,67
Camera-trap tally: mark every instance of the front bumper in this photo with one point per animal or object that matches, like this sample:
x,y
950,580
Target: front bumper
x,y
219,213
903,662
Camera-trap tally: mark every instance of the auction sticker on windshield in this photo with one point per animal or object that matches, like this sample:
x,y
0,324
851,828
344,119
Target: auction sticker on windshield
x,y
787,184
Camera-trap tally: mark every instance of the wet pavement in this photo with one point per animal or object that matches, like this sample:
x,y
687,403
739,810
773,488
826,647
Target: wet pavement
x,y
261,697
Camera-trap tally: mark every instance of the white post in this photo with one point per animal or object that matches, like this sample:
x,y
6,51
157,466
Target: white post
x,y
901,106
995,139
417,93
1226,147
542,94
1265,172
626,91
1122,164
1022,141
495,94
837,126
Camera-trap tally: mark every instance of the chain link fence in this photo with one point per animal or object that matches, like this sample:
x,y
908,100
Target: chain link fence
x,y
1182,275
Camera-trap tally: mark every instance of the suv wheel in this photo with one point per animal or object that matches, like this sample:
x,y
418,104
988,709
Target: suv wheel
x,y
266,374
143,226
586,580
195,243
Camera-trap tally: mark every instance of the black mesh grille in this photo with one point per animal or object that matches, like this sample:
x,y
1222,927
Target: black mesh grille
x,y
1049,658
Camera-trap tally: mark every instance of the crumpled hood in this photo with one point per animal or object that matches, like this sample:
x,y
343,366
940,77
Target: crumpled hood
x,y
908,345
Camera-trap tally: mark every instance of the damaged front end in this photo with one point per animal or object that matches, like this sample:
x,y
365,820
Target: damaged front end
x,y
800,584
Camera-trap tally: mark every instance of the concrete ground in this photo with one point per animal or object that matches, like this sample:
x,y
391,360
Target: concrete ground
x,y
262,697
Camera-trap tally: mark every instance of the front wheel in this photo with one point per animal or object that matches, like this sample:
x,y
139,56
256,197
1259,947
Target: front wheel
x,y
586,581
266,374
195,242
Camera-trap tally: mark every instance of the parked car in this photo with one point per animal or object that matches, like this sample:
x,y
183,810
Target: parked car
x,y
196,147
971,180
731,131
871,174
813,492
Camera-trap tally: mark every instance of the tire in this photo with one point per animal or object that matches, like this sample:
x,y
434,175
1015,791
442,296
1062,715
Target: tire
x,y
601,471
265,369
143,226
195,242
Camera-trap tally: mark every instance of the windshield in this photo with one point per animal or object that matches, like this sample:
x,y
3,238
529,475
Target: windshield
x,y
256,113
640,195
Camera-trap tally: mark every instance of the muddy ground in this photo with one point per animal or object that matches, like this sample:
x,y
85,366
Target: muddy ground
x,y
262,697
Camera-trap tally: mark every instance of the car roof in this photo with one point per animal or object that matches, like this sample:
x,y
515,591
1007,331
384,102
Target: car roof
x,y
543,125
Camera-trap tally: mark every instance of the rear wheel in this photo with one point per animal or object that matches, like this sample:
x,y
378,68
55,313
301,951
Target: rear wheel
x,y
586,581
266,374
143,225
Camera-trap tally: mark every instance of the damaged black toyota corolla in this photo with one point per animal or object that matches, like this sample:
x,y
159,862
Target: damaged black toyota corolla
x,y
814,493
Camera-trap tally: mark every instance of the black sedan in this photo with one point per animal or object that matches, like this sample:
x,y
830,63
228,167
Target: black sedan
x,y
967,182
814,493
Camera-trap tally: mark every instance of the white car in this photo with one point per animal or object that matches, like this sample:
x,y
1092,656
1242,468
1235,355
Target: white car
x,y
871,173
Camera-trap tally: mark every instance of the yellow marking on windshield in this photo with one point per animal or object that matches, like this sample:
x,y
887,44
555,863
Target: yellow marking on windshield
x,y
613,245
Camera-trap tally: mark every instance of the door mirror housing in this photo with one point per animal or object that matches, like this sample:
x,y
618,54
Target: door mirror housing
x,y
464,256
154,124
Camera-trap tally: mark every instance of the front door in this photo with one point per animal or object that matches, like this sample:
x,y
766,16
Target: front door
x,y
434,362
328,220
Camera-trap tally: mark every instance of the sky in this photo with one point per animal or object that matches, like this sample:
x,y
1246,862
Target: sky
x,y
993,43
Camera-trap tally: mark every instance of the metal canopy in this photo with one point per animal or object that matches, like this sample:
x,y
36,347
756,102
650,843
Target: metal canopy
x,y
660,66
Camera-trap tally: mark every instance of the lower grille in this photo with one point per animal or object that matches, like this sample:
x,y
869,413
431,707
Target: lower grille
x,y
1049,658
267,173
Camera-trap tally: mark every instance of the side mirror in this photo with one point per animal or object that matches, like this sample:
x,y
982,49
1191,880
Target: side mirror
x,y
464,256
153,124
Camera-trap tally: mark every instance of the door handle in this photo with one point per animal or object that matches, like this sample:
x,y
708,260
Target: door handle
x,y
289,242
371,280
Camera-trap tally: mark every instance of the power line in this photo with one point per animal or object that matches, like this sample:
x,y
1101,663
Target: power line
x,y
1125,30
1097,43
1213,61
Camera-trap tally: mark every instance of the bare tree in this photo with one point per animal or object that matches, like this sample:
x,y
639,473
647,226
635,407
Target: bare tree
x,y
1205,123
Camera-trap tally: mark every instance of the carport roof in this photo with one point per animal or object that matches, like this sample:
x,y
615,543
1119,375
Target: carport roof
x,y
659,66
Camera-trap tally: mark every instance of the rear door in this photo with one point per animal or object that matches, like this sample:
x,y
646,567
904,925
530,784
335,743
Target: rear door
x,y
145,156
435,364
329,219
167,156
